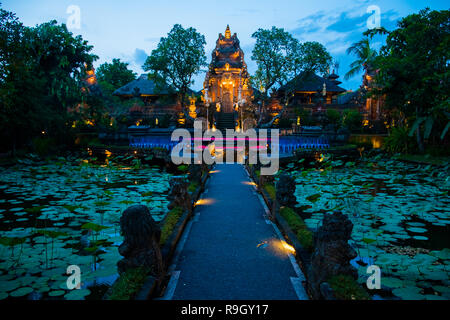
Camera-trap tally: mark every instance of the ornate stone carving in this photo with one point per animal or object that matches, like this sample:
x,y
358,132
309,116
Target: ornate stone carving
x,y
179,195
332,253
286,191
140,247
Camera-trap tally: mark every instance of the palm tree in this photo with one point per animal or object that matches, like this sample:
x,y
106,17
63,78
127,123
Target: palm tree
x,y
365,55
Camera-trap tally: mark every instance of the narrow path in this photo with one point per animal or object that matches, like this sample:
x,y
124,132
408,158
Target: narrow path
x,y
230,250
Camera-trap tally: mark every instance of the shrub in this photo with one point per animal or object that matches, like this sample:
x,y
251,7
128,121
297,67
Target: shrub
x,y
352,119
399,141
346,288
193,186
43,145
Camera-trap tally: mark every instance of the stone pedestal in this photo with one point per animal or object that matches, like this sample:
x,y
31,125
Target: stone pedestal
x,y
332,253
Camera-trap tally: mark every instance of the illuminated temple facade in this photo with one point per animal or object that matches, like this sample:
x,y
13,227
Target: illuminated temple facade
x,y
227,80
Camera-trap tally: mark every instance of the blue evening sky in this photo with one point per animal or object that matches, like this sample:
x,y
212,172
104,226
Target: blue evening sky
x,y
131,29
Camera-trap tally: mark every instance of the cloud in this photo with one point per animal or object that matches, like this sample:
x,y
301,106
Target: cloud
x,y
139,56
337,29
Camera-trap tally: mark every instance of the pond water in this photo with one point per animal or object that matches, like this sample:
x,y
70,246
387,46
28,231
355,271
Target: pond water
x,y
401,218
59,213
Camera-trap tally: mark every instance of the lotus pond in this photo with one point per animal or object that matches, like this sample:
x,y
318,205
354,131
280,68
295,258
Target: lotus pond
x,y
66,212
401,218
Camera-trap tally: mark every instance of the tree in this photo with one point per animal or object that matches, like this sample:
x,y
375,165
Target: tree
x,y
414,72
41,76
114,75
178,58
365,56
280,57
312,57
275,52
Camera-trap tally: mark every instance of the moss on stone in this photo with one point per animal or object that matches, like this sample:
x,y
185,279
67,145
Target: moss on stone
x,y
169,224
270,188
346,288
296,223
129,284
193,187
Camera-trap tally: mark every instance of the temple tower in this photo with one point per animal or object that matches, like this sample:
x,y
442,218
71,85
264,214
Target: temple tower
x,y
227,80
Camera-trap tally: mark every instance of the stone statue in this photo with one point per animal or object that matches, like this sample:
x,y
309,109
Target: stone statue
x,y
179,195
286,191
332,253
140,247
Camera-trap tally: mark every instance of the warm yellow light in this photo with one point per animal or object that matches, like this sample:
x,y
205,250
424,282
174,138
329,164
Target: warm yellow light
x,y
298,121
288,247
108,153
214,171
250,183
156,121
205,202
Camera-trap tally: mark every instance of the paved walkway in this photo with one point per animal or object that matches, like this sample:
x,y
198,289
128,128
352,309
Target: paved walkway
x,y
229,250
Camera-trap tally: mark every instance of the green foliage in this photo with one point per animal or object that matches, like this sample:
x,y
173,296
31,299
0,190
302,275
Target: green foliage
x,y
178,57
312,56
41,73
414,71
112,76
334,118
346,288
365,56
183,168
270,188
129,284
43,145
304,235
399,141
274,56
193,186
352,119
169,224
93,226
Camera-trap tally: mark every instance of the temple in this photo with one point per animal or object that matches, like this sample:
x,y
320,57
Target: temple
x,y
227,80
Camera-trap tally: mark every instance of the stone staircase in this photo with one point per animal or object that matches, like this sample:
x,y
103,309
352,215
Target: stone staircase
x,y
225,121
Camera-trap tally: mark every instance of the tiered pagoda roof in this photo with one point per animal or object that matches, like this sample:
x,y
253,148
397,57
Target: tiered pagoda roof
x,y
227,52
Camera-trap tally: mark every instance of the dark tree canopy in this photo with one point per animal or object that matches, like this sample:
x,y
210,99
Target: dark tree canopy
x,y
414,71
178,57
41,76
114,75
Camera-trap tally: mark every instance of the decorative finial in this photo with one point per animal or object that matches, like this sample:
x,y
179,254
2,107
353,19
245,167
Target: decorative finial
x,y
228,32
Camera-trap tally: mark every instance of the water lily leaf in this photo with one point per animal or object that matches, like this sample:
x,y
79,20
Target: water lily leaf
x,y
94,227
313,198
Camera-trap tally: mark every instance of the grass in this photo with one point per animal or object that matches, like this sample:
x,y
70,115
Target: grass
x,y
270,188
171,220
304,235
128,284
346,288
